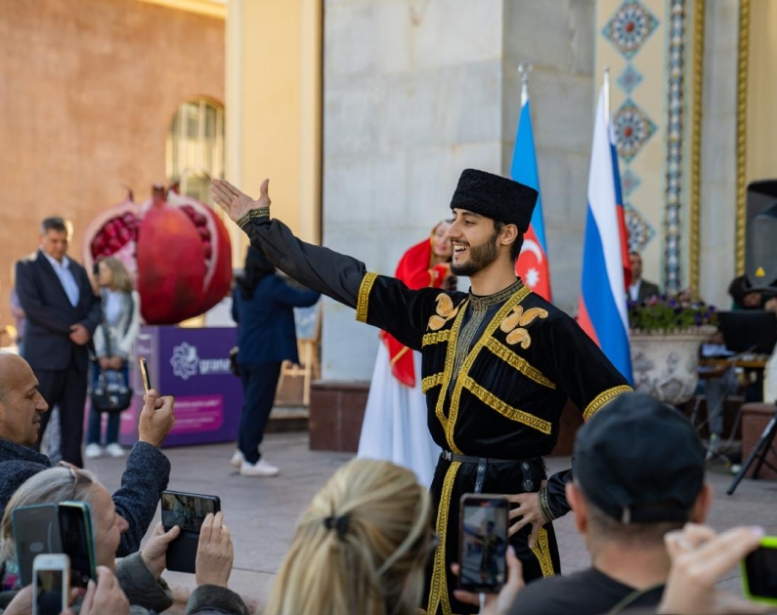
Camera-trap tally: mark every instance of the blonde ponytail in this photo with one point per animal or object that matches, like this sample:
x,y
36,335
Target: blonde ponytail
x,y
360,548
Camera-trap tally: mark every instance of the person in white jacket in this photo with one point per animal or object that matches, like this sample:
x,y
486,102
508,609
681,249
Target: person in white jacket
x,y
113,342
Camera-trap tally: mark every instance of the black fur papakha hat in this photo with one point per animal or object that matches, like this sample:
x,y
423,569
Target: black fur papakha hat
x,y
496,197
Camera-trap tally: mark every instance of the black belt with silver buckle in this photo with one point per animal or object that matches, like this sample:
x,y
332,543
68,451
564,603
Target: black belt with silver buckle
x,y
448,456
483,462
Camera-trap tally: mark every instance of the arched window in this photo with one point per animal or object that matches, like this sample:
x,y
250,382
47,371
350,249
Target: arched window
x,y
195,147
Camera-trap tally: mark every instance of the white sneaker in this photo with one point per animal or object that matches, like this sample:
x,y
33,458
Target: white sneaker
x,y
93,451
115,450
237,459
260,468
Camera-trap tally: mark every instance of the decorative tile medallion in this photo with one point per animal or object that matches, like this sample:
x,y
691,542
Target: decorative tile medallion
x,y
640,231
629,79
633,128
629,182
674,145
630,27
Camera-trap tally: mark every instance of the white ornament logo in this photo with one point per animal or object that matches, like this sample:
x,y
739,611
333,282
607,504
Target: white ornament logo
x,y
185,361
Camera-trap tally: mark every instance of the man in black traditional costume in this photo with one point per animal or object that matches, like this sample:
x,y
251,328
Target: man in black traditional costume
x,y
498,363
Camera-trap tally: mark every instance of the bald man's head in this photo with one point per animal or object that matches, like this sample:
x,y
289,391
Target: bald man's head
x,y
21,404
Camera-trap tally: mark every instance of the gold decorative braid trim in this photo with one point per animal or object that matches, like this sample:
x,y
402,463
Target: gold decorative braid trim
x,y
438,591
518,363
436,337
695,189
463,373
542,552
450,357
604,398
493,402
432,381
363,303
544,506
254,214
741,153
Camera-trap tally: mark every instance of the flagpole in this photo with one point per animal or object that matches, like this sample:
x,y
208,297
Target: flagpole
x,y
524,68
607,94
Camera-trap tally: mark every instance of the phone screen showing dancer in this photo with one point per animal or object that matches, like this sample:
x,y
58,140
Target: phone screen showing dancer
x,y
483,543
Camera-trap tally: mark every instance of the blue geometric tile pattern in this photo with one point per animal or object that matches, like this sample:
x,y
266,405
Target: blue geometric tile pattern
x,y
629,28
674,152
629,182
640,230
629,79
633,128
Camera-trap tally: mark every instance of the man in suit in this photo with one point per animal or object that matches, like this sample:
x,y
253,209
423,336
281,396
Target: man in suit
x,y
640,290
62,313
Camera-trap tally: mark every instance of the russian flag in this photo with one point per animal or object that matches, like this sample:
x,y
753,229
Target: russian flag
x,y
532,265
602,311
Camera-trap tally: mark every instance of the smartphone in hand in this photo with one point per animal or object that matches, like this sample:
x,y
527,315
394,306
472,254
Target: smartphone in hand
x,y
759,572
50,584
144,373
187,511
483,543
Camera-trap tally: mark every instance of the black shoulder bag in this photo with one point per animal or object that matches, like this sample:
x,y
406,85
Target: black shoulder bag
x,y
111,394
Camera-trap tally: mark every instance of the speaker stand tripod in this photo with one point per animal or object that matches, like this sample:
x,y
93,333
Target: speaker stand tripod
x,y
760,451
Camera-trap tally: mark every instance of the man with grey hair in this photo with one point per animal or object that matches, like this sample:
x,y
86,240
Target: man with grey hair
x,y
62,313
147,472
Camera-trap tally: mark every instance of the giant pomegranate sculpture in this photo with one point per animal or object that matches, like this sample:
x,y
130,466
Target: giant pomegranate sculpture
x,y
177,249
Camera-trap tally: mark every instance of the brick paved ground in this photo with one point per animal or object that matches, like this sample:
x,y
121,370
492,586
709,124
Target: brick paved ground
x,y
262,513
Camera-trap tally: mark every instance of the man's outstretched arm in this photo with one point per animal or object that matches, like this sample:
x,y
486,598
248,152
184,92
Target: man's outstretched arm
x,y
336,275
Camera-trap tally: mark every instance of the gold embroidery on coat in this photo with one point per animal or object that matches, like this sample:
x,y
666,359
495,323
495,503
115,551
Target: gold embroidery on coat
x,y
519,363
436,337
514,324
542,551
453,414
445,311
450,356
506,410
363,303
438,592
604,398
431,382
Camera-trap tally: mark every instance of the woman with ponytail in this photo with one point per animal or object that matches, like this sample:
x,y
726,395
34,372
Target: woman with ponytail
x,y
361,547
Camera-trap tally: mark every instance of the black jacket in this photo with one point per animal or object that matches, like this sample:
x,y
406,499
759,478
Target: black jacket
x,y
145,478
49,314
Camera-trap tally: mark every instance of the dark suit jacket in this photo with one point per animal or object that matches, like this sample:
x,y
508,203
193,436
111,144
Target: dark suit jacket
x,y
265,322
50,314
647,290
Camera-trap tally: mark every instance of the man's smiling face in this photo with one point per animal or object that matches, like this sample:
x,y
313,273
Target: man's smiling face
x,y
474,241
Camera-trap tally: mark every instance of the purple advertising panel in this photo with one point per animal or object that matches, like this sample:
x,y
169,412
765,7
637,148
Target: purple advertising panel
x,y
193,366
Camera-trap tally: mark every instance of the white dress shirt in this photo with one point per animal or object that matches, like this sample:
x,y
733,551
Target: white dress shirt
x,y
66,277
634,290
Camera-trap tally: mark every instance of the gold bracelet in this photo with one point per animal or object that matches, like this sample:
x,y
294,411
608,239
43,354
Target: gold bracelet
x,y
254,214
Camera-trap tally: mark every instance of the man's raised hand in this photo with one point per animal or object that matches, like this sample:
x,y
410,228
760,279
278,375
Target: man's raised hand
x,y
156,418
236,203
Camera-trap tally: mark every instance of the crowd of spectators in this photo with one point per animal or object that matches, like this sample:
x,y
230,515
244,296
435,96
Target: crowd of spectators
x,y
362,547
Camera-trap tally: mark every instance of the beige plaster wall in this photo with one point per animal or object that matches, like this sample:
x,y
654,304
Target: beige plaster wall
x,y
87,90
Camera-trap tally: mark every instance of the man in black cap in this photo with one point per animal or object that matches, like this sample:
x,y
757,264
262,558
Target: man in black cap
x,y
639,473
498,363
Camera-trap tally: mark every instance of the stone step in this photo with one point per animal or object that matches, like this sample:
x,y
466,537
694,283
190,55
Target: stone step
x,y
288,418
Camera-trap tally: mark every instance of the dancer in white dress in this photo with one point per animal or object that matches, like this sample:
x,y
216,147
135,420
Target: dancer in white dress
x,y
394,425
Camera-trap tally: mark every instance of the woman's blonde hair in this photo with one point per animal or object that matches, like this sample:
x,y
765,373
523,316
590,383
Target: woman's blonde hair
x,y
121,278
47,487
361,546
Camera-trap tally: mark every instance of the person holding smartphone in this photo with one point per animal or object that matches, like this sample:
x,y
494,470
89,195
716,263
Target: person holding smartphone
x,y
140,574
114,339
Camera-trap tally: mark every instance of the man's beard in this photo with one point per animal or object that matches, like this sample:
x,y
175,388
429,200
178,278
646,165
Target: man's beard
x,y
480,257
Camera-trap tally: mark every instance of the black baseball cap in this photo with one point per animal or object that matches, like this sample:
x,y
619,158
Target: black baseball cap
x,y
640,461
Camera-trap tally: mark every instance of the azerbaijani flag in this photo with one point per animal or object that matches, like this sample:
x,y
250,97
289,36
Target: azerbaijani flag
x,y
602,310
532,264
